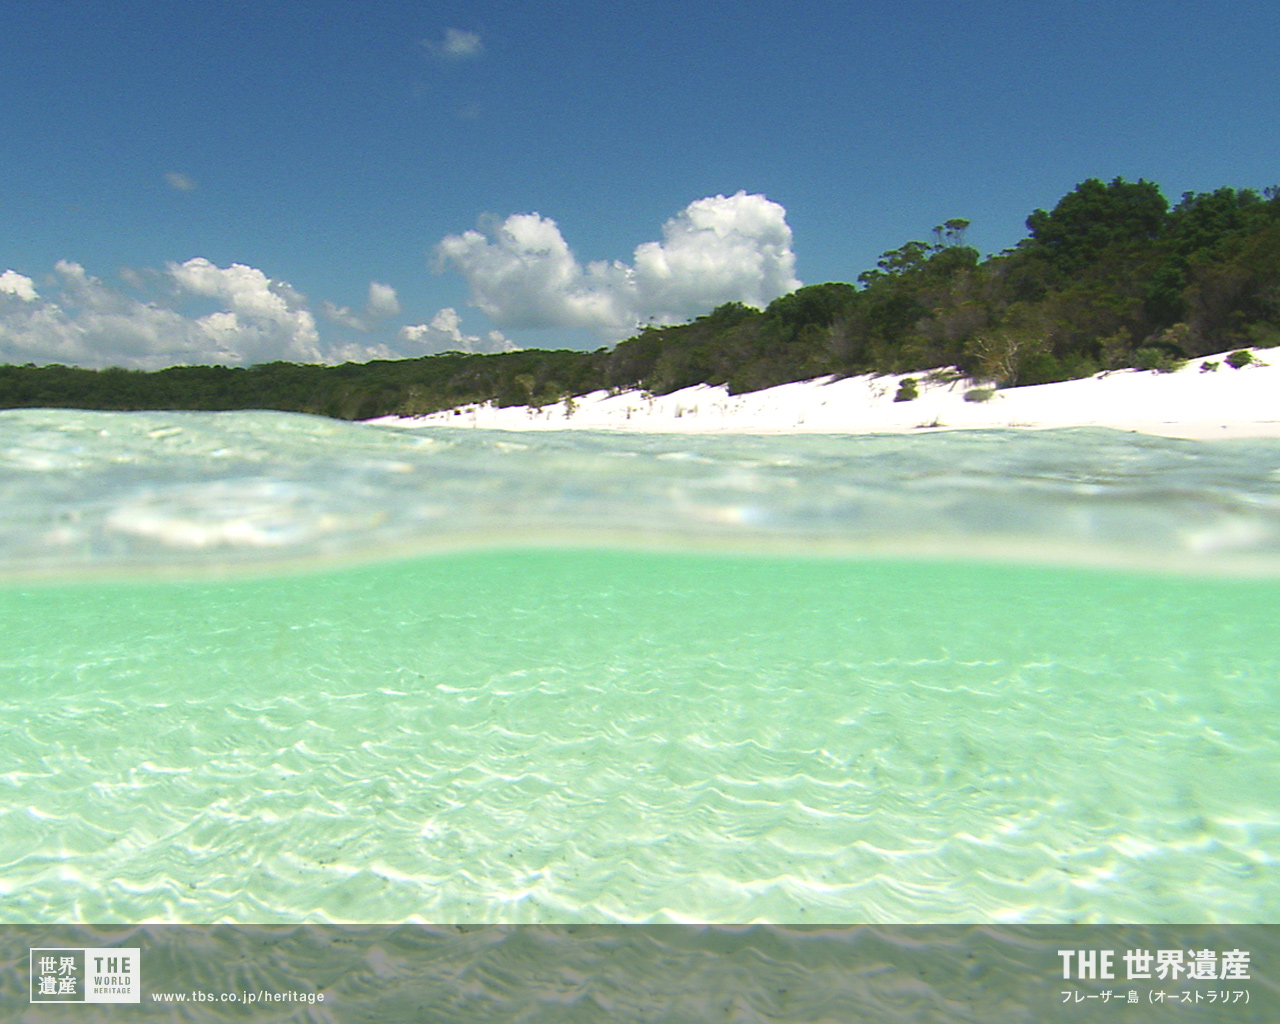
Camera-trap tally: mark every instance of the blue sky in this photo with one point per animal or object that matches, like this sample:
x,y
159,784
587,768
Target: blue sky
x,y
346,179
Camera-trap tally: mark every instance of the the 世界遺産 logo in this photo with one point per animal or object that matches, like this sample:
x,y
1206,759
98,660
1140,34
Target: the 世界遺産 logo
x,y
106,975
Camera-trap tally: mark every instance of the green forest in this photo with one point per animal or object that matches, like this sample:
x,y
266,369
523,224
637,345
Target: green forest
x,y
1111,277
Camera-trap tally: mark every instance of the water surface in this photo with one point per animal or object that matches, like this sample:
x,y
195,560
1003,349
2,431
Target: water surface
x,y
260,667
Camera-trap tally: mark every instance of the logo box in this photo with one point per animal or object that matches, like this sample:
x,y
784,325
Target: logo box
x,y
87,975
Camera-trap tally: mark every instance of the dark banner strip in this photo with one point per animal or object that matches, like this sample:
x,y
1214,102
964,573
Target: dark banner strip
x,y
987,974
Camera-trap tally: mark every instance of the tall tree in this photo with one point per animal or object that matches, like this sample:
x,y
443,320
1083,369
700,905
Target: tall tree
x,y
1095,217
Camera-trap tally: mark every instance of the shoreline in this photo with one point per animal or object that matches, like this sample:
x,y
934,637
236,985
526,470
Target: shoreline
x,y
1225,403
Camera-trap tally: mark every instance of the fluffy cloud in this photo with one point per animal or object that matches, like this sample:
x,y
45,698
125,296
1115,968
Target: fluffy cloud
x,y
13,283
444,334
382,303
93,325
263,316
83,322
717,250
382,300
522,273
526,276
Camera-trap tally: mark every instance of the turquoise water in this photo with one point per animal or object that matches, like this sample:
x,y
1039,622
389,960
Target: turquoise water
x,y
266,668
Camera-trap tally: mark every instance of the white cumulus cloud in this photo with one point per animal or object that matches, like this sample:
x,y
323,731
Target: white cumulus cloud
x,y
716,250
444,334
382,300
13,283
94,325
266,315
79,320
523,274
382,303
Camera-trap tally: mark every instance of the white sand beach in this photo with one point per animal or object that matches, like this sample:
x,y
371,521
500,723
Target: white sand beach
x,y
1217,402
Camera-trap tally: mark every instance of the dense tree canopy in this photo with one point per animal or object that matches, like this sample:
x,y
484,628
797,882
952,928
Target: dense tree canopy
x,y
1111,277
1095,218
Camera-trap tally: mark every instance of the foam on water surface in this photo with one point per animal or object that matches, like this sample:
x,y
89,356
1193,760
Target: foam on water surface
x,y
602,733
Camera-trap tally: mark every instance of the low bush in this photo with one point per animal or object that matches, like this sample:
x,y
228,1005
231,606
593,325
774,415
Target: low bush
x,y
1156,359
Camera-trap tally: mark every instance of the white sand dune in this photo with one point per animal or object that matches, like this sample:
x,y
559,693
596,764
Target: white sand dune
x,y
1194,402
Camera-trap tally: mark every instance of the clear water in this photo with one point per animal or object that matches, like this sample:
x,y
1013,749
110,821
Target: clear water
x,y
266,668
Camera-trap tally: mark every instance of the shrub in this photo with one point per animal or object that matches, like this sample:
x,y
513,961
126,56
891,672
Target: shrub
x,y
1156,359
1208,367
979,394
1238,359
906,390
1039,368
